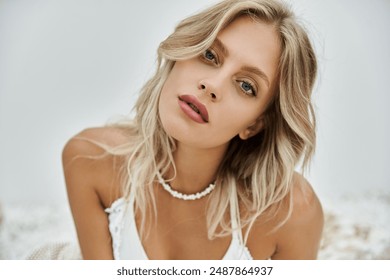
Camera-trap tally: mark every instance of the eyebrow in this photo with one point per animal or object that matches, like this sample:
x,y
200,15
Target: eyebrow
x,y
219,45
257,72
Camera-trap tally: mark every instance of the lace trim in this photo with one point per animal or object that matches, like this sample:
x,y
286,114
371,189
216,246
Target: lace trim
x,y
237,250
116,223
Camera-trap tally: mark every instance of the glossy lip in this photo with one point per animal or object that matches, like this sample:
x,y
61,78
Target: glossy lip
x,y
192,99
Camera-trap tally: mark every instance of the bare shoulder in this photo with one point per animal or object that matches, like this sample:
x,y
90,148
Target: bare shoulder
x,y
86,163
300,236
92,180
92,143
306,205
88,140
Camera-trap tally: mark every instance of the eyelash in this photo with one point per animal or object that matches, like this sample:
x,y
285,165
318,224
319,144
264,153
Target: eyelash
x,y
252,87
214,60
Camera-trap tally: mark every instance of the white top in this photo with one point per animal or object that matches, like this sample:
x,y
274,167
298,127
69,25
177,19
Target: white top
x,y
126,243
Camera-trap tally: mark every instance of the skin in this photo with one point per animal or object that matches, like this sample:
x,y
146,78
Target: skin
x,y
232,111
236,99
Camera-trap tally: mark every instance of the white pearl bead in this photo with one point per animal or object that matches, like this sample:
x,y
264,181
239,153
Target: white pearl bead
x,y
179,195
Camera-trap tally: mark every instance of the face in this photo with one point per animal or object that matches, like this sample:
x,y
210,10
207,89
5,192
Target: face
x,y
209,99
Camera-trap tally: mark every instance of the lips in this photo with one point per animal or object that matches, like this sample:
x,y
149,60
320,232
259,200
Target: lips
x,y
194,108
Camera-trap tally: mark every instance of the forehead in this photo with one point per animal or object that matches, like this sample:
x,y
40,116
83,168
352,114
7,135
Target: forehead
x,y
252,43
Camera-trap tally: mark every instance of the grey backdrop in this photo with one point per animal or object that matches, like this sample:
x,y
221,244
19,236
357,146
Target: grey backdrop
x,y
66,65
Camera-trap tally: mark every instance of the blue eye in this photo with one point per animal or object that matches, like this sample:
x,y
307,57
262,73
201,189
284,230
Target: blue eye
x,y
210,56
247,87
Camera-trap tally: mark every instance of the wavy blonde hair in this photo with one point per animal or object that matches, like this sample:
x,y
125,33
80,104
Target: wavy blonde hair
x,y
260,169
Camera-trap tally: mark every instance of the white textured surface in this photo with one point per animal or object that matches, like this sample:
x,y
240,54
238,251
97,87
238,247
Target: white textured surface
x,y
26,228
357,227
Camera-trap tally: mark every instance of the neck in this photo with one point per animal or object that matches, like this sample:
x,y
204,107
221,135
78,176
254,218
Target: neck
x,y
195,168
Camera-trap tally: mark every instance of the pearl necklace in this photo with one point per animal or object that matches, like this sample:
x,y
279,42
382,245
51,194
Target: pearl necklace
x,y
183,196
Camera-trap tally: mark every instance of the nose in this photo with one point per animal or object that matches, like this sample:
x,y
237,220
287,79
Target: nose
x,y
209,90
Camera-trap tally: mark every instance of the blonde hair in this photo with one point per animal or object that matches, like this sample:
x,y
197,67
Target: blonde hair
x,y
259,170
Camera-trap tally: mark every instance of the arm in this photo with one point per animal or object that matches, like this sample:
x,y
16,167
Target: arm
x,y
83,176
300,237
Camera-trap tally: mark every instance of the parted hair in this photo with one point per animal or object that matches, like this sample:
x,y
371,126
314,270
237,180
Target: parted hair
x,y
257,171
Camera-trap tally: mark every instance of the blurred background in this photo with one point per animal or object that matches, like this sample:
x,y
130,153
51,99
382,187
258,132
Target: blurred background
x,y
66,65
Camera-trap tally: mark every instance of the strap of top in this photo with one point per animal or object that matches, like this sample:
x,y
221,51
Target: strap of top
x,y
235,220
122,224
242,251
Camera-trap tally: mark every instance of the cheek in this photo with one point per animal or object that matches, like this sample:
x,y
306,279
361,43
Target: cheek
x,y
169,110
163,106
240,115
168,92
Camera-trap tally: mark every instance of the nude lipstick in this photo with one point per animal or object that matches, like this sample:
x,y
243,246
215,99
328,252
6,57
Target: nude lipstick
x,y
193,108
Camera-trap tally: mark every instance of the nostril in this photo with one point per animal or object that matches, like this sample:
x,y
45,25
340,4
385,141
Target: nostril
x,y
202,86
213,96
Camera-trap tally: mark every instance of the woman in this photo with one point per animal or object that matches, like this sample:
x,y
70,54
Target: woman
x,y
206,168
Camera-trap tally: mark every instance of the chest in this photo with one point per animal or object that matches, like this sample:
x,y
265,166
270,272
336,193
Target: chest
x,y
181,233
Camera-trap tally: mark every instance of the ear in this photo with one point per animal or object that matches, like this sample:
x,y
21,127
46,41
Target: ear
x,y
253,129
